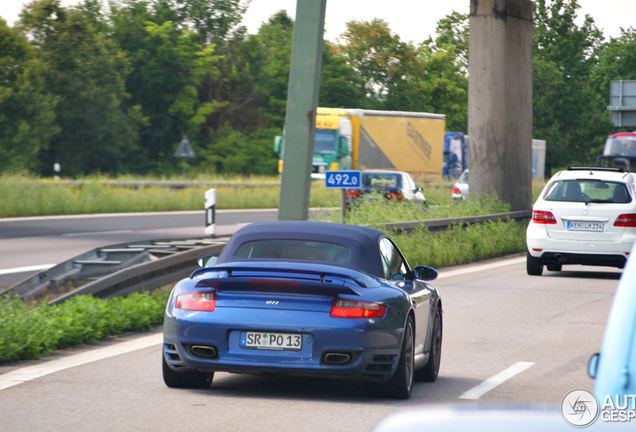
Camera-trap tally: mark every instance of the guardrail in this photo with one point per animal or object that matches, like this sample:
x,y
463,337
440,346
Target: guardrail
x,y
168,184
118,270
443,224
145,277
185,184
161,263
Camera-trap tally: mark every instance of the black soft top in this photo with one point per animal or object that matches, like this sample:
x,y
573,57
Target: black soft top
x,y
362,242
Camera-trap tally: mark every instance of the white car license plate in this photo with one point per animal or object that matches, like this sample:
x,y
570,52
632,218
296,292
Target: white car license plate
x,y
272,341
585,226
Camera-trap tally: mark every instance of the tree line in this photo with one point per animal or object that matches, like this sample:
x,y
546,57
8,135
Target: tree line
x,y
114,89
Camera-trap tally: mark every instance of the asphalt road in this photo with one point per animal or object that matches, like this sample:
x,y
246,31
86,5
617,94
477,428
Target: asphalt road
x,y
542,330
38,241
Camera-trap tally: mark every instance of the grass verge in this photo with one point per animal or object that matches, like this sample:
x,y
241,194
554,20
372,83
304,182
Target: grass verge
x,y
30,331
25,196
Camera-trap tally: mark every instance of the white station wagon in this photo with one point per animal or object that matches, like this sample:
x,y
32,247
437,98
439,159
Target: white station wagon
x,y
585,215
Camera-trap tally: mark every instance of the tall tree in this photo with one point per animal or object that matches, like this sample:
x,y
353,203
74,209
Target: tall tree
x,y
377,54
169,71
213,20
275,38
617,62
340,85
27,116
569,113
452,30
86,72
402,77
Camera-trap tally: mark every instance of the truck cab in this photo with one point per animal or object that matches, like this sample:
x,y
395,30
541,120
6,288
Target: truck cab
x,y
332,145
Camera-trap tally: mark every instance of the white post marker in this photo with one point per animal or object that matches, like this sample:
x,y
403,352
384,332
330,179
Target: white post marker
x,y
342,180
210,208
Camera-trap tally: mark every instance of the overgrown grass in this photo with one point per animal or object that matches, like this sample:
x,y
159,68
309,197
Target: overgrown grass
x,y
374,209
28,332
25,196
461,246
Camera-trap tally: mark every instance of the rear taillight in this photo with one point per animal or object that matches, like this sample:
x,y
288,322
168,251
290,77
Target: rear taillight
x,y
543,217
197,301
357,309
352,194
456,190
626,220
395,195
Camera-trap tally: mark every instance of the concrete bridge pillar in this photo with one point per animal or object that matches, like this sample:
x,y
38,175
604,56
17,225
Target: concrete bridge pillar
x,y
500,100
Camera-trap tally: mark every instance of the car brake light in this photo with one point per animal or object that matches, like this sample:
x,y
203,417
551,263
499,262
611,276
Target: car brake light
x,y
396,195
352,194
456,190
197,301
357,309
626,220
543,217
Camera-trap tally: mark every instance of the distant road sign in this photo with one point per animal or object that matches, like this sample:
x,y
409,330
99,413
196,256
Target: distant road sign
x,y
184,150
342,179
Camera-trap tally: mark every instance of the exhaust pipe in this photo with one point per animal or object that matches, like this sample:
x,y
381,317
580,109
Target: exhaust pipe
x,y
558,257
337,358
204,351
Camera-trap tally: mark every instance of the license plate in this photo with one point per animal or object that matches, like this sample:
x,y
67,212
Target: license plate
x,y
272,341
585,226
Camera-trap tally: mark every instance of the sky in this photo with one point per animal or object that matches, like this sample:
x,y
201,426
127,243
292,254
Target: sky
x,y
413,20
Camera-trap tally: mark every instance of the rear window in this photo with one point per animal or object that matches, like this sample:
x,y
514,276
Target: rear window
x,y
294,250
588,191
381,179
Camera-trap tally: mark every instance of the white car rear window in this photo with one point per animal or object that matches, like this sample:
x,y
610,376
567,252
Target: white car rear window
x,y
584,190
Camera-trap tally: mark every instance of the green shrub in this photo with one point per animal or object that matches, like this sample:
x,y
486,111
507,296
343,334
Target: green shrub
x,y
30,331
462,245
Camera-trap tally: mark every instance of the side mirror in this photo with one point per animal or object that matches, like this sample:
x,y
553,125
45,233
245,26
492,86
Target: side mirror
x,y
425,273
592,366
207,261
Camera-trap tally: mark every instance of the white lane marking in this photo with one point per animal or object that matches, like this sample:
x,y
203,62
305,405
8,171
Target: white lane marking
x,y
132,345
36,268
29,373
473,269
496,380
96,232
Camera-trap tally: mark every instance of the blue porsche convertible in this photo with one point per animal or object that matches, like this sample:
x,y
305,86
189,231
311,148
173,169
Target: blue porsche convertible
x,y
306,298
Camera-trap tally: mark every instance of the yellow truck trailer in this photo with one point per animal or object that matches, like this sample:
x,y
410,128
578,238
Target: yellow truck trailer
x,y
368,139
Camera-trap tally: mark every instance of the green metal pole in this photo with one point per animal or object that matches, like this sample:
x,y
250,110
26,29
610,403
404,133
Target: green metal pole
x,y
302,98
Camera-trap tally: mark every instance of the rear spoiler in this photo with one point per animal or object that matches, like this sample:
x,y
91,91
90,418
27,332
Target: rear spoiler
x,y
265,279
276,285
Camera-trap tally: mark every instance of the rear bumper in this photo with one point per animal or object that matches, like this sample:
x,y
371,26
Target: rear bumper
x,y
606,260
372,346
595,253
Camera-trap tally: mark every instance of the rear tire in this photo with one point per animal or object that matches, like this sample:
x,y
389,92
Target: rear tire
x,y
534,266
401,383
186,379
430,371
